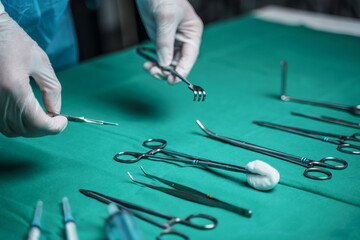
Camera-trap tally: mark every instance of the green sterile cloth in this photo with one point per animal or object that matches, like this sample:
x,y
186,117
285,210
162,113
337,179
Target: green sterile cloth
x,y
239,67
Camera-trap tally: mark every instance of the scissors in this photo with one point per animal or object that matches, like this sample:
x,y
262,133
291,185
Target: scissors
x,y
188,193
329,120
171,156
310,165
354,110
342,146
82,119
167,227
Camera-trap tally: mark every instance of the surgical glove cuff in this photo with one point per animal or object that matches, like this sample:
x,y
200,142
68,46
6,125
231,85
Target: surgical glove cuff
x,y
2,9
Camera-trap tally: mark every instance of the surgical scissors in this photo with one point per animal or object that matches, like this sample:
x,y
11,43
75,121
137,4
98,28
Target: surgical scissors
x,y
199,92
167,227
354,110
323,136
329,120
191,194
303,161
185,158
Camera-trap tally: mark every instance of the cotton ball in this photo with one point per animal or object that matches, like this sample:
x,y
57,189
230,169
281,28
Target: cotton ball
x,y
268,176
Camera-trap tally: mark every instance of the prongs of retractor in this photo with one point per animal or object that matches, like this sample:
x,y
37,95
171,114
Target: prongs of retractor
x,y
204,95
200,95
195,95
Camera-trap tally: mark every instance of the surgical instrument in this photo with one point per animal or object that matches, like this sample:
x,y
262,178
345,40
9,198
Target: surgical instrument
x,y
121,225
191,194
199,92
354,110
329,120
173,156
82,119
342,146
34,233
167,227
303,161
70,227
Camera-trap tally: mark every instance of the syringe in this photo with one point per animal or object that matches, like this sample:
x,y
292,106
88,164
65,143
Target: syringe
x,y
70,226
34,232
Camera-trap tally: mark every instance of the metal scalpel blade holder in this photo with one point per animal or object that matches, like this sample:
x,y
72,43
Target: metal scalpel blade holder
x,y
354,110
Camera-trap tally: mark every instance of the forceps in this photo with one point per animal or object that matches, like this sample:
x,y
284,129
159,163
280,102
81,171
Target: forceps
x,y
167,227
82,119
329,120
191,194
323,136
172,156
354,110
199,92
303,161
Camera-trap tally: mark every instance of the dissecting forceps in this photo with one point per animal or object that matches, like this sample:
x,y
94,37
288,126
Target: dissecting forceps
x,y
199,92
303,161
167,227
355,110
174,156
329,120
191,194
323,136
82,119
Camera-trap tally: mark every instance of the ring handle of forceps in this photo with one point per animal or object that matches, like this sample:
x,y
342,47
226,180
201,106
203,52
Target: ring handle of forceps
x,y
137,157
319,170
155,140
342,148
187,221
322,163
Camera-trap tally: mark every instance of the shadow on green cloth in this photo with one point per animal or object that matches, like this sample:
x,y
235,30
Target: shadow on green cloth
x,y
136,104
15,166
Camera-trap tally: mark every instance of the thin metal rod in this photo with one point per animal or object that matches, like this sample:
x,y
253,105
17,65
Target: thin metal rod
x,y
302,132
355,110
329,120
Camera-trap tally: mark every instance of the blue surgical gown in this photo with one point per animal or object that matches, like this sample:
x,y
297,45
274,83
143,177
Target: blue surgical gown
x,y
50,24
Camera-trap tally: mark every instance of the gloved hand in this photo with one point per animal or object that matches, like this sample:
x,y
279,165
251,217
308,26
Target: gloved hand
x,y
20,112
172,25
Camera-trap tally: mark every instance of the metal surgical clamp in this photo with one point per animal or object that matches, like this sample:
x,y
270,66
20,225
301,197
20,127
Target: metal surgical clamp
x,y
191,194
323,136
303,161
199,92
174,156
167,227
82,119
329,120
354,110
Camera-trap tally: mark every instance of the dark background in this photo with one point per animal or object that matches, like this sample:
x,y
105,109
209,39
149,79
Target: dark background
x,y
111,25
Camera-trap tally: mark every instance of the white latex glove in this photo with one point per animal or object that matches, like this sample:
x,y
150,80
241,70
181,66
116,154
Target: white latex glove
x,y
20,112
171,24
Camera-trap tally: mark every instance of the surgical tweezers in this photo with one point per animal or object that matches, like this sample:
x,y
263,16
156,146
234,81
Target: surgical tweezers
x,y
354,110
191,194
82,119
329,120
199,92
